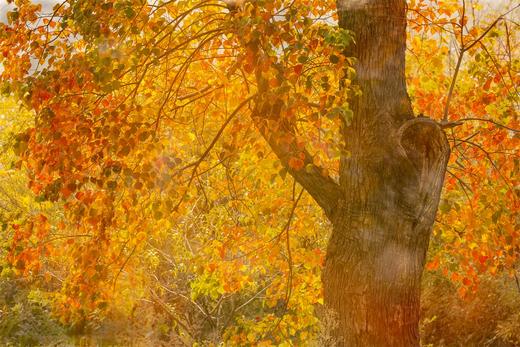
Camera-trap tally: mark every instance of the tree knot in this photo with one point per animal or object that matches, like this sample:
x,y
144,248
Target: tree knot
x,y
423,138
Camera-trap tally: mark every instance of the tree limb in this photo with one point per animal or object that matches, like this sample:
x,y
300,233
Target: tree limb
x,y
322,188
280,134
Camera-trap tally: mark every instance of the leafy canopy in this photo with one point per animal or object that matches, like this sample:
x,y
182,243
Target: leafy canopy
x,y
147,139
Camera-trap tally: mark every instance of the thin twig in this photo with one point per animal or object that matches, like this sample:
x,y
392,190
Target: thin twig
x,y
289,261
464,49
452,86
489,121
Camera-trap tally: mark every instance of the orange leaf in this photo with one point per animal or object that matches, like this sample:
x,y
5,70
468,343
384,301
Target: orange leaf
x,y
296,163
298,69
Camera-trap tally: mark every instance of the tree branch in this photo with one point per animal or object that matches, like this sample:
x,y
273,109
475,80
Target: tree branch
x,y
464,49
500,125
322,188
280,134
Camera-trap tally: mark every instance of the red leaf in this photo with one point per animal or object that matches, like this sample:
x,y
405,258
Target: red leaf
x,y
296,163
298,69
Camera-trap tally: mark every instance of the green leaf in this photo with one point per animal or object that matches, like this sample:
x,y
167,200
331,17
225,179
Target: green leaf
x,y
302,59
129,12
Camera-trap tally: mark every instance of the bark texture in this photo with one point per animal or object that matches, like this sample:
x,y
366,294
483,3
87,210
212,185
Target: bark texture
x,y
391,187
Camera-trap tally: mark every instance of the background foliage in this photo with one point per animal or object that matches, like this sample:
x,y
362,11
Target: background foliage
x,y
138,203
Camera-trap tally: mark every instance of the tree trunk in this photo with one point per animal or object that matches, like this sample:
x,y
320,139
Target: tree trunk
x,y
384,206
390,188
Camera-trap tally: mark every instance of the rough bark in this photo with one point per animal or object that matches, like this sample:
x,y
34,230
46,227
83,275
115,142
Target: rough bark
x,y
391,187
